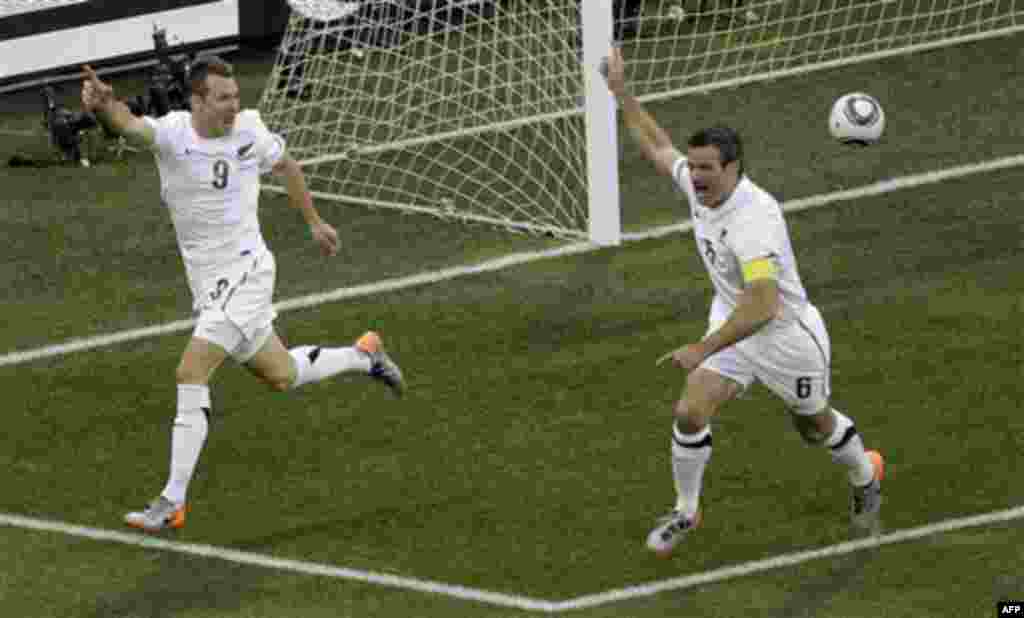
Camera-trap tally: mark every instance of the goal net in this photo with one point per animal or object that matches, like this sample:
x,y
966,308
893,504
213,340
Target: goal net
x,y
492,111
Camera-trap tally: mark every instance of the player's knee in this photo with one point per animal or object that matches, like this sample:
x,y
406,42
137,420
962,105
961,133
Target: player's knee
x,y
279,383
277,370
281,379
693,415
186,374
812,436
814,428
281,386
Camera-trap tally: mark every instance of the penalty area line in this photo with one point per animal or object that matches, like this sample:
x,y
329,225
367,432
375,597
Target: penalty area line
x,y
18,357
462,593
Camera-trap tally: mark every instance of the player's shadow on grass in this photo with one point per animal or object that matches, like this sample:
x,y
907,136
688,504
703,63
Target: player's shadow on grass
x,y
178,584
587,300
808,593
368,526
814,592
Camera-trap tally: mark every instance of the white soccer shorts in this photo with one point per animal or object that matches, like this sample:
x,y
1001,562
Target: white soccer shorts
x,y
237,311
793,361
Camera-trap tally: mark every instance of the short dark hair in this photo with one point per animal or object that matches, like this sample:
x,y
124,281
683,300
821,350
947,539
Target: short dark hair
x,y
203,67
726,139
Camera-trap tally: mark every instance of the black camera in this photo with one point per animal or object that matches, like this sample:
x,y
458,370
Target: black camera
x,y
167,90
65,127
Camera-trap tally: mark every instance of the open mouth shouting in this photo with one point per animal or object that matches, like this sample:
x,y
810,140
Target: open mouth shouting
x,y
701,188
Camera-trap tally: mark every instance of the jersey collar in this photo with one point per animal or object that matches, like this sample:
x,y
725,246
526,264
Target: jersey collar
x,y
727,207
199,139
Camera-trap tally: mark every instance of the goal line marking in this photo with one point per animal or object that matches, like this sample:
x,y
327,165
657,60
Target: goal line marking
x,y
18,357
464,593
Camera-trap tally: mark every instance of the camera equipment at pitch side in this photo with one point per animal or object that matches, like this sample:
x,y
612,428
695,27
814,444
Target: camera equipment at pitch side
x,y
166,91
65,127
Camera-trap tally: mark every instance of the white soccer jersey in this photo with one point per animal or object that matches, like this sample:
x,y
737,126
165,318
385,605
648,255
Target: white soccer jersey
x,y
212,187
748,226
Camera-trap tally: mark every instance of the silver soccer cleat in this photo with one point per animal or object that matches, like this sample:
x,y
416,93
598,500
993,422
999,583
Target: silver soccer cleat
x,y
382,368
670,530
161,514
866,501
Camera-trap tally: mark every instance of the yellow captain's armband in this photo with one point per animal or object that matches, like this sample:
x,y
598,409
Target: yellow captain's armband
x,y
761,268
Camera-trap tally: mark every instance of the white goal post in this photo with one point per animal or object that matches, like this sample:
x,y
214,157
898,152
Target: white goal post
x,y
493,111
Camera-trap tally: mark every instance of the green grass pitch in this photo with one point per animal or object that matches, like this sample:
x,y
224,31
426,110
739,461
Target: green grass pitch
x,y
531,454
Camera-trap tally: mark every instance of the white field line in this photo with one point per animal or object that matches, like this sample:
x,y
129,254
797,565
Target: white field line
x,y
886,186
483,596
270,562
878,188
465,593
786,560
19,133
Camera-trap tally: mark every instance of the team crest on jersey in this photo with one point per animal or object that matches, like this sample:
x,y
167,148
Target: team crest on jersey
x,y
713,255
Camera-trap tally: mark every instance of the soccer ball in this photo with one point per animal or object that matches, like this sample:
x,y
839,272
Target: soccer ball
x,y
857,118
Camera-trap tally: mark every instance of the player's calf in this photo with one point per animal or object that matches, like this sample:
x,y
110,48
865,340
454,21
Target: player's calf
x,y
836,431
281,380
367,356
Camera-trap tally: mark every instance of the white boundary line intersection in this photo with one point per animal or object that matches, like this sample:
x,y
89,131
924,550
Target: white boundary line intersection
x,y
500,599
486,596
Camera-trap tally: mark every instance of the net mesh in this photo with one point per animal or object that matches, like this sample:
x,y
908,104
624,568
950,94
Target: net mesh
x,y
472,110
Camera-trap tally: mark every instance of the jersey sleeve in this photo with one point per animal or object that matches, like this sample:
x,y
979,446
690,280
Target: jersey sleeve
x,y
760,234
683,182
164,131
681,173
269,147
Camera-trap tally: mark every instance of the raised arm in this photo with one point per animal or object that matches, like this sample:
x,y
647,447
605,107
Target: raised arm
x,y
654,142
98,98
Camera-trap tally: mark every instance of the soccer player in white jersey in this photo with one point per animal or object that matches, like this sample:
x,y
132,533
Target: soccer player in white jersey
x,y
761,324
210,162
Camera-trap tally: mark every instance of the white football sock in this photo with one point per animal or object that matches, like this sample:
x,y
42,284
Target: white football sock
x,y
690,454
847,448
313,363
187,437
